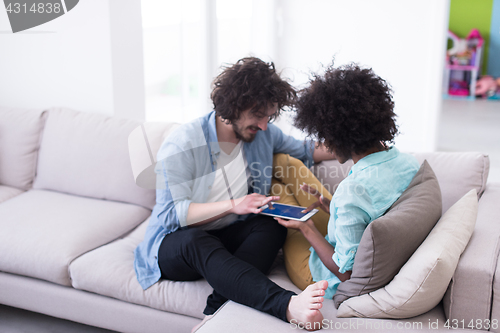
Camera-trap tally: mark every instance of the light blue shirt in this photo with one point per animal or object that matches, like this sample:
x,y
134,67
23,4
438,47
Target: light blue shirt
x,y
185,170
374,183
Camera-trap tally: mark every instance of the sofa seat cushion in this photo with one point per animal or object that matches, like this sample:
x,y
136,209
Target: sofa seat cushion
x,y
7,192
109,271
42,232
20,132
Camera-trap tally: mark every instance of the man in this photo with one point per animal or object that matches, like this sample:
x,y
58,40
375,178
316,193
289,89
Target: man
x,y
206,220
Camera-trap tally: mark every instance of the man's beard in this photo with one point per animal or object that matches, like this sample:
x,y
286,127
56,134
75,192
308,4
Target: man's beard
x,y
239,134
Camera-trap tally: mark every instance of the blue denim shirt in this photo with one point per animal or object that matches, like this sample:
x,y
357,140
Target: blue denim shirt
x,y
185,169
370,189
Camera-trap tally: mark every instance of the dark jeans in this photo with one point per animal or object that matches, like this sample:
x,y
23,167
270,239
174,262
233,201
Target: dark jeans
x,y
233,260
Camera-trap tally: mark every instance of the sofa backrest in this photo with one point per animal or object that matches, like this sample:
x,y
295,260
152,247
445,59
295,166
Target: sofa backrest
x,y
144,143
87,154
457,173
20,133
107,158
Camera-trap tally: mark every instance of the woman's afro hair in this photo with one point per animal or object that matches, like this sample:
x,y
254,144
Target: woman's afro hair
x,y
349,109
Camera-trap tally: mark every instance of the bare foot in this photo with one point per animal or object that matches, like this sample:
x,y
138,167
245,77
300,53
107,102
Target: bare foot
x,y
201,324
303,309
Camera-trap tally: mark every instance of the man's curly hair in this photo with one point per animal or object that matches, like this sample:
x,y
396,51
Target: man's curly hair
x,y
349,109
250,84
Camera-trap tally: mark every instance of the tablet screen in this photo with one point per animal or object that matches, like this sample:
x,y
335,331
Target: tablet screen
x,y
293,212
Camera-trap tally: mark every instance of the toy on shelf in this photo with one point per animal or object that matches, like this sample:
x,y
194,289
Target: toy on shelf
x,y
488,87
463,63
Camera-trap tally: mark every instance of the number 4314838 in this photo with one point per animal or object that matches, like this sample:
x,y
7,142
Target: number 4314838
x,y
35,8
473,324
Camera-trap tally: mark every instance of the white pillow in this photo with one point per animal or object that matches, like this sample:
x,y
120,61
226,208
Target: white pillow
x,y
422,281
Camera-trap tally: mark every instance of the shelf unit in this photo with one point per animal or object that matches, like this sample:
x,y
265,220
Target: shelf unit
x,y
467,74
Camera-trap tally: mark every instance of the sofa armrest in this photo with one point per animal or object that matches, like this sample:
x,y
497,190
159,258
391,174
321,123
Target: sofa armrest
x,y
495,306
470,294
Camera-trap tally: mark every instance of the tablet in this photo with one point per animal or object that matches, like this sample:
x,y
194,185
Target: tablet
x,y
288,212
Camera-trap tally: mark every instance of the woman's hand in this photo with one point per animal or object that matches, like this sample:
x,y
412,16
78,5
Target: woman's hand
x,y
250,203
294,224
322,202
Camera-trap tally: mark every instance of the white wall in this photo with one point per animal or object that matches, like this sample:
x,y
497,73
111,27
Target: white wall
x,y
76,61
403,41
91,58
127,59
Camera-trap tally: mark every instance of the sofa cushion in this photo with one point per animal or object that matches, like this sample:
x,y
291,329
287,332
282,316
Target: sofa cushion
x,y
7,192
389,241
43,231
87,154
458,173
109,271
144,143
20,132
423,280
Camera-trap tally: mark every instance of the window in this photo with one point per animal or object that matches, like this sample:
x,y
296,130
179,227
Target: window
x,y
172,53
185,44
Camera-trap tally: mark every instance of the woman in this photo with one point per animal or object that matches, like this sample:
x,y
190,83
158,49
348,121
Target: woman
x,y
350,110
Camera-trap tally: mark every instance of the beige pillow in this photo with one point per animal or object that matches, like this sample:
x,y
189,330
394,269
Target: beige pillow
x,y
86,154
422,281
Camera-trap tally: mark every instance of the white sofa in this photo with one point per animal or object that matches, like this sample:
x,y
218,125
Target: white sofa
x,y
71,216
